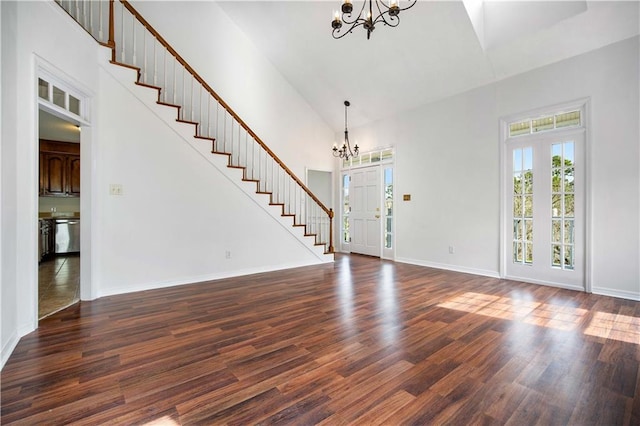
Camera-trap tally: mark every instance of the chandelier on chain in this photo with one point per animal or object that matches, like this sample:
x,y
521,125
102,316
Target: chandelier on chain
x,y
345,150
387,14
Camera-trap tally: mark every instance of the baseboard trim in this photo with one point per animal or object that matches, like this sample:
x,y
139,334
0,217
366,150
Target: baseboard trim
x,y
545,283
603,291
201,278
449,267
8,348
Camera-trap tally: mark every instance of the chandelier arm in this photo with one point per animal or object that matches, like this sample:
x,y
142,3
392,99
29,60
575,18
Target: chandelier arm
x,y
411,4
393,21
337,31
389,19
357,17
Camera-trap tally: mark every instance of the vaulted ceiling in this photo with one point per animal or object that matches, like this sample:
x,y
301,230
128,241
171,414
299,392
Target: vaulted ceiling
x,y
440,48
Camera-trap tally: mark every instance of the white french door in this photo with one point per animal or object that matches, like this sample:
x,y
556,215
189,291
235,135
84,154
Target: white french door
x,y
545,203
365,215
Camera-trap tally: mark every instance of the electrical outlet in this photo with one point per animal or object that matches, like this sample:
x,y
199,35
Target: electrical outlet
x,y
115,189
452,249
227,254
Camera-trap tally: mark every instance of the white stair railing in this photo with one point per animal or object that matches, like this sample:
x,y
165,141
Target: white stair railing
x,y
137,44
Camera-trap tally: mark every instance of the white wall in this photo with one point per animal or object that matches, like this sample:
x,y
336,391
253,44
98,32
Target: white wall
x,y
447,158
178,215
204,35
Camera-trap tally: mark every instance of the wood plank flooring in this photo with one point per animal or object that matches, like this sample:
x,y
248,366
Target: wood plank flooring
x,y
360,341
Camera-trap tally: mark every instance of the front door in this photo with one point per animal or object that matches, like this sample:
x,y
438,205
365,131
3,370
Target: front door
x,y
365,211
546,215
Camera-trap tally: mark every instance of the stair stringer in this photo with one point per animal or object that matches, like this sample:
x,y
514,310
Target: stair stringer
x,y
148,97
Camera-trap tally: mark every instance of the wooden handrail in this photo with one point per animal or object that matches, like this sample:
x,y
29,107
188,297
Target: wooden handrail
x,y
204,84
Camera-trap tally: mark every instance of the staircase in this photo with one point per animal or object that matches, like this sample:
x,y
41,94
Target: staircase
x,y
136,45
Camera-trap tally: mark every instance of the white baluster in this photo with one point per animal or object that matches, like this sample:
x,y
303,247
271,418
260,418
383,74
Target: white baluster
x,y
208,115
122,47
155,63
90,18
133,39
101,30
175,85
144,55
166,88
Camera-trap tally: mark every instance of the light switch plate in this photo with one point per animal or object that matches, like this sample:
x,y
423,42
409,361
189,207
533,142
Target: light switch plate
x,y
115,189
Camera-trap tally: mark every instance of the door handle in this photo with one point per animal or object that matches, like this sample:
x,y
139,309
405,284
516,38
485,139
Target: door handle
x,y
377,216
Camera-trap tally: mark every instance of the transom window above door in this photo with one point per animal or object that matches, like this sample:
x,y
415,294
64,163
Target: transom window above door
x,y
58,96
545,123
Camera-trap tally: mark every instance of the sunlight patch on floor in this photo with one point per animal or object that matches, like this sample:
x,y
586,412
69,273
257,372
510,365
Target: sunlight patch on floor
x,y
606,325
615,326
163,421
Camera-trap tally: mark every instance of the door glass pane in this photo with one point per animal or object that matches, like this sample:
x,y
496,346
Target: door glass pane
x,y
517,159
569,204
528,229
568,179
528,206
528,159
517,183
569,156
568,231
517,251
555,255
517,206
556,205
556,231
517,229
528,182
528,258
568,257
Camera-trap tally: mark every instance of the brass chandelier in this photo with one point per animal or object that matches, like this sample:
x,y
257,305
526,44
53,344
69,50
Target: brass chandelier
x,y
345,151
387,14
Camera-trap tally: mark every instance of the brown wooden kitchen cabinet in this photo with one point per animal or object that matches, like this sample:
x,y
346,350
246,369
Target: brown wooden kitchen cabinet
x,y
59,169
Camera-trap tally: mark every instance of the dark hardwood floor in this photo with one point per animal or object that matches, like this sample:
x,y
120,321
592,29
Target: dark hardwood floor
x,y
361,341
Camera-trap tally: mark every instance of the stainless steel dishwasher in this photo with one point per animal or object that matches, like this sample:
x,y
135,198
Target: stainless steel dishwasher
x,y
67,235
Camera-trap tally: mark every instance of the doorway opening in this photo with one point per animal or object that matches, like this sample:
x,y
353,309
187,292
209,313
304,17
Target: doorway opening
x,y
58,213
61,272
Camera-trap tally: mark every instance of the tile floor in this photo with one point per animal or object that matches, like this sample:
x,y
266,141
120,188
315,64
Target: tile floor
x,y
58,284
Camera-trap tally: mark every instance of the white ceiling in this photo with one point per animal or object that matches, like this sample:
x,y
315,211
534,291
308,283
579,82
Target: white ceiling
x,y
434,53
54,128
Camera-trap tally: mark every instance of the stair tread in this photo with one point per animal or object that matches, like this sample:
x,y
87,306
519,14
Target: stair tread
x,y
205,137
168,104
150,86
122,64
195,123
